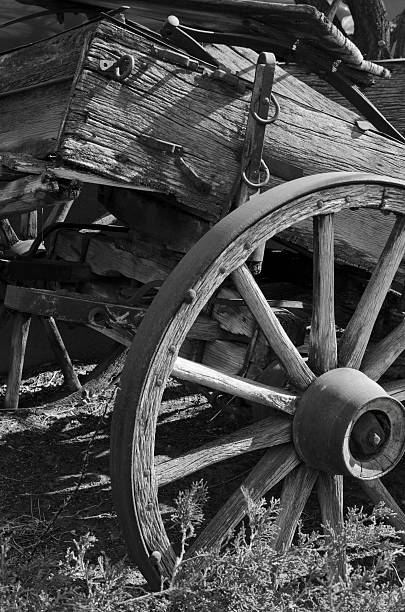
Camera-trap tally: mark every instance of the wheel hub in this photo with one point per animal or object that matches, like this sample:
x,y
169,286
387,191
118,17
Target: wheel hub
x,y
346,423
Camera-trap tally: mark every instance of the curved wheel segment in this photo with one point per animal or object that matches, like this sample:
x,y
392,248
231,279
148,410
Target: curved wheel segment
x,y
321,418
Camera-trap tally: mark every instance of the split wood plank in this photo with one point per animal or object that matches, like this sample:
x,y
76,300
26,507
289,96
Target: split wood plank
x,y
30,193
262,434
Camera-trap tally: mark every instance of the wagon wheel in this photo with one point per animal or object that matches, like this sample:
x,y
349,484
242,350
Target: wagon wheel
x,y
358,431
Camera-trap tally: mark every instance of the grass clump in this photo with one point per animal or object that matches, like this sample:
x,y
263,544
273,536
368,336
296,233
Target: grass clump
x,y
247,575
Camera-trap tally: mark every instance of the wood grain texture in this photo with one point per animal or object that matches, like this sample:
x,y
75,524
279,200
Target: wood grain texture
x,y
106,122
197,373
20,331
262,434
273,467
387,96
330,495
297,487
383,354
323,346
298,371
355,338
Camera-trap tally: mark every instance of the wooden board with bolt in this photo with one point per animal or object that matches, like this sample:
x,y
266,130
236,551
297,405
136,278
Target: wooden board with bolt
x,y
161,129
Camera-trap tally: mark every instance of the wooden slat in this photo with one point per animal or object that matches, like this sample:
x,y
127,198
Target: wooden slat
x,y
297,488
383,354
273,467
355,338
297,369
197,373
323,346
21,327
262,434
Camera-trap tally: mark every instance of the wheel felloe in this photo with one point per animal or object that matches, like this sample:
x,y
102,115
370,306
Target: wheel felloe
x,y
346,423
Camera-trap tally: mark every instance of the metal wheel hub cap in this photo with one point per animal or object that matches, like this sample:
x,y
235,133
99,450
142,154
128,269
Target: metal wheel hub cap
x,y
346,423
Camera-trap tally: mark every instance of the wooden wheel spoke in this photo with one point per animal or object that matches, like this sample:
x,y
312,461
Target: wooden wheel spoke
x,y
377,361
298,371
377,492
60,352
200,374
297,488
273,467
357,333
262,434
323,347
330,494
395,388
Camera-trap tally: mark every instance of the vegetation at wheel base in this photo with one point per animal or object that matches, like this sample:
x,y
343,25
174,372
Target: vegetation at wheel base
x,y
247,575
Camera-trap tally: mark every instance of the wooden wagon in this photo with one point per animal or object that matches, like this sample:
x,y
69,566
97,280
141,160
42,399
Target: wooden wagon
x,y
286,306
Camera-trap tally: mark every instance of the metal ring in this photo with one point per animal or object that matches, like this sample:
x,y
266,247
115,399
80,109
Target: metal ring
x,y
262,183
273,118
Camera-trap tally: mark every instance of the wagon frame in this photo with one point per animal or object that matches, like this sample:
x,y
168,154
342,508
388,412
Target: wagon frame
x,y
322,414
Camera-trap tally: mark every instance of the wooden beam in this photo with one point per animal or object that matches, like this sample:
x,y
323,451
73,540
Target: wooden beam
x,y
32,192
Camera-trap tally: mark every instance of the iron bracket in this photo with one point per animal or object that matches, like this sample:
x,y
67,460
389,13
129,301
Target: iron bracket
x,y
252,154
174,57
177,152
119,69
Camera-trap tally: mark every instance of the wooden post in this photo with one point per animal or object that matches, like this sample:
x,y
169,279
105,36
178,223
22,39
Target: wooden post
x,y
19,338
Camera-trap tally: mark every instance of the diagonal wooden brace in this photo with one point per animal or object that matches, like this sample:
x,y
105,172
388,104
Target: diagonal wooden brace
x,y
252,160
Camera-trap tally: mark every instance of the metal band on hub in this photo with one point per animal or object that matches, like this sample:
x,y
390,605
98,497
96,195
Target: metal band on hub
x,y
346,423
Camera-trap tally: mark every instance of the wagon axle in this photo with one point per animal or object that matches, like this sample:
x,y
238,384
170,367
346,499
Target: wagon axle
x,y
346,423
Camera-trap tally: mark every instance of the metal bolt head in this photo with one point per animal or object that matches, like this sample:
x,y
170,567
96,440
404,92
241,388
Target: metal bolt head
x,y
190,296
319,203
374,439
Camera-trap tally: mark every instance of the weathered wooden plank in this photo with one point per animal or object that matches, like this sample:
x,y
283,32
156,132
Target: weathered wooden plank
x,y
105,125
33,192
387,95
